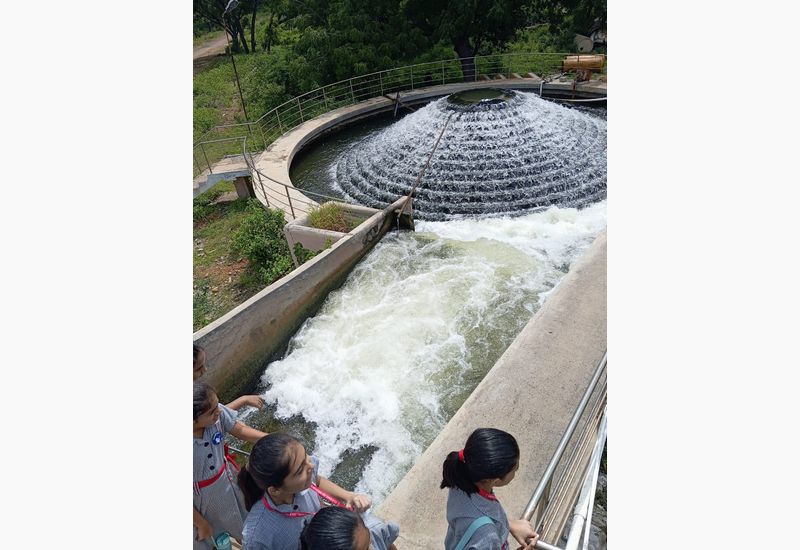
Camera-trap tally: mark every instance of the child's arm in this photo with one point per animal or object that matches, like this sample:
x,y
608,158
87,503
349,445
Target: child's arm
x,y
356,501
241,401
246,433
204,530
523,532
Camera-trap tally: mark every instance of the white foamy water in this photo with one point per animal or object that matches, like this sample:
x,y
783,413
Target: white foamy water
x,y
393,353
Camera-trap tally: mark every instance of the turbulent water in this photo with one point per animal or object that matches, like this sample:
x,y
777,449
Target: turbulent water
x,y
495,158
394,352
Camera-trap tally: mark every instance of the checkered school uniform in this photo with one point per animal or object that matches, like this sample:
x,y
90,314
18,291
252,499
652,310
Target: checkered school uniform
x,y
216,495
463,509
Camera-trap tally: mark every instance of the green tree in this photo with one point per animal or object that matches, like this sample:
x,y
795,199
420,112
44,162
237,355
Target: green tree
x,y
468,25
566,18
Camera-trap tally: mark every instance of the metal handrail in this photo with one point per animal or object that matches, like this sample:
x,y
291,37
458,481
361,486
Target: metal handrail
x,y
279,120
545,481
582,516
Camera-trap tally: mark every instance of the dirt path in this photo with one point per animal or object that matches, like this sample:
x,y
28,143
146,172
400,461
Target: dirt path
x,y
205,53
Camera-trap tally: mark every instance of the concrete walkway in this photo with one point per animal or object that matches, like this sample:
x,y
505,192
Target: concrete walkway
x,y
531,392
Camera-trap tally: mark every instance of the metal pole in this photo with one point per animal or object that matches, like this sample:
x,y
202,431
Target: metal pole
x,y
581,517
263,139
325,98
260,182
280,126
301,109
442,73
235,72
203,149
412,77
380,76
551,467
288,196
352,94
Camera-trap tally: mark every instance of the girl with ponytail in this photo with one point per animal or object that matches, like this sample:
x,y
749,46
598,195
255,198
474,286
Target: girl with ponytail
x,y
283,491
475,518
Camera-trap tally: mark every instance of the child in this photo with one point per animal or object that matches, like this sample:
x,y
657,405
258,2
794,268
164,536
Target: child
x,y
282,493
334,528
218,503
200,370
475,518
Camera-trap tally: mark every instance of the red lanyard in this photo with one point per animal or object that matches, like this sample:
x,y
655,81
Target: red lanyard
x,y
314,488
486,495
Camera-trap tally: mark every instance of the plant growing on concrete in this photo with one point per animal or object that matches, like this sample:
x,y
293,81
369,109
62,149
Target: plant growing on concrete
x,y
330,216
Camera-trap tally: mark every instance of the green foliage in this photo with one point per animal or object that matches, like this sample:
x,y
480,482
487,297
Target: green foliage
x,y
201,305
303,254
203,209
260,239
467,26
330,216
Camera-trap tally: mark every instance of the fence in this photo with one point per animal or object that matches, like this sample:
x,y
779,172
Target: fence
x,y
226,139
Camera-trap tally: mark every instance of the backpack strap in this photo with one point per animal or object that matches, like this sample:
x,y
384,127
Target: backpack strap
x,y
474,526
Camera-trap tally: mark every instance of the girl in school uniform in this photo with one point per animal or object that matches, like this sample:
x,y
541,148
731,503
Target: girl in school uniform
x,y
334,528
283,491
475,518
218,503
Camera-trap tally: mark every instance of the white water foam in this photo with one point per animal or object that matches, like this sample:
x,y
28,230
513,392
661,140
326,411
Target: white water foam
x,y
393,353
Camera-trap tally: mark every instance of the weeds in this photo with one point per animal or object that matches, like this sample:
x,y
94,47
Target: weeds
x,y
332,217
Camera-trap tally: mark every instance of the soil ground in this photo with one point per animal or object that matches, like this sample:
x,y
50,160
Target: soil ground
x,y
205,54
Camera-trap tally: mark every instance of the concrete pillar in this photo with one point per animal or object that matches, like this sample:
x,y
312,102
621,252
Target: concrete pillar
x,y
244,187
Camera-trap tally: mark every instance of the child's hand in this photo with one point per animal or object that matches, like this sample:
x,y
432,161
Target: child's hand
x,y
253,401
524,534
204,530
358,502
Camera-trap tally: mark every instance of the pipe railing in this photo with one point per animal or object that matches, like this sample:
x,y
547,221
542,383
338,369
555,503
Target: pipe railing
x,y
568,467
580,527
297,110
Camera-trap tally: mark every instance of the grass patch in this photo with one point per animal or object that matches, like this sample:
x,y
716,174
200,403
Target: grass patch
x,y
239,249
332,217
217,271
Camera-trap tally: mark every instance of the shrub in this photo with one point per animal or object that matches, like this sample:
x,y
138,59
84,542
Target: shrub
x,y
260,239
330,216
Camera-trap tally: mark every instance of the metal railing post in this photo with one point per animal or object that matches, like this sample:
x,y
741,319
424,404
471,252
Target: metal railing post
x,y
442,73
380,77
280,126
288,196
412,77
325,98
263,139
260,183
300,108
352,94
203,149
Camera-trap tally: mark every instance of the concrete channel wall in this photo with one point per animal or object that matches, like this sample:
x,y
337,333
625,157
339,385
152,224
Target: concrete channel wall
x,y
239,344
531,392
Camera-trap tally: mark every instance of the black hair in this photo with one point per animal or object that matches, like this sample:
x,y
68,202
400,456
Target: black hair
x,y
267,466
202,397
489,453
332,528
197,349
